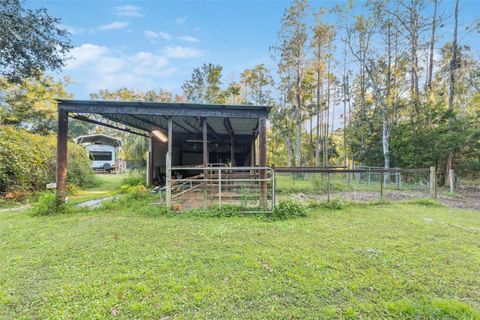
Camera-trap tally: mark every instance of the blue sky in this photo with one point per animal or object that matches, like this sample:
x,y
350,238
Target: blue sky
x,y
150,44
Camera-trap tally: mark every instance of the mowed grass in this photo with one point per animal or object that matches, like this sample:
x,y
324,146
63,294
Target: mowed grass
x,y
109,184
404,261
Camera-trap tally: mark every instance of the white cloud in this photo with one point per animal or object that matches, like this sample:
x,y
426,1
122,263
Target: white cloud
x,y
85,54
183,52
149,34
181,20
113,26
129,11
98,67
188,38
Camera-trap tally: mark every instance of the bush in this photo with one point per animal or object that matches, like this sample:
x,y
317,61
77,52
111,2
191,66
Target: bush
x,y
48,204
28,162
134,178
288,208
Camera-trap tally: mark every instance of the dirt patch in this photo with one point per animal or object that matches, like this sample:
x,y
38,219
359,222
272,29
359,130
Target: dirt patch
x,y
465,199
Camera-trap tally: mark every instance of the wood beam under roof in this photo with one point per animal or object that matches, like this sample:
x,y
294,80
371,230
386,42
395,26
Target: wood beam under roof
x,y
99,123
164,109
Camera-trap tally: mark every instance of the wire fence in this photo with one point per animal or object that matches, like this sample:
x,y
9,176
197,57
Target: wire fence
x,y
362,184
258,188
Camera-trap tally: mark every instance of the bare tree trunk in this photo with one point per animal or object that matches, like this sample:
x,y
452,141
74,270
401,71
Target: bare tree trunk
x,y
386,125
298,117
317,142
451,91
386,145
289,151
428,84
327,115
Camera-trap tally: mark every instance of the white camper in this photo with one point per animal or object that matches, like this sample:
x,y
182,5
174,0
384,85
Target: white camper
x,y
101,150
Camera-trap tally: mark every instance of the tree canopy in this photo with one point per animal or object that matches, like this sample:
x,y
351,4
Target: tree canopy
x,y
31,41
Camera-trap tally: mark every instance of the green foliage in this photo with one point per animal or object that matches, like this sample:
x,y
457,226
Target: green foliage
x,y
289,209
48,204
32,41
27,162
205,85
31,103
469,168
135,147
134,178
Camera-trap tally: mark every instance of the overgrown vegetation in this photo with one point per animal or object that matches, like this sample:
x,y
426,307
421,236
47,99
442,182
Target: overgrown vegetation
x,y
27,162
289,209
48,204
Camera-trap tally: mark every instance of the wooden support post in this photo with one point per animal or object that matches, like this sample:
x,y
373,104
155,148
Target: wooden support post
x,y
205,141
150,169
232,150
262,127
168,166
433,182
252,151
62,139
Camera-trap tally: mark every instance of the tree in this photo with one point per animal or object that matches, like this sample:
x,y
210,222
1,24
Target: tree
x,y
293,59
321,44
205,85
31,41
257,85
31,103
451,91
233,93
431,48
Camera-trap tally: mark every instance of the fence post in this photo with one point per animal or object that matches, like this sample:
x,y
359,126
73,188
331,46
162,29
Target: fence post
x,y
433,182
451,180
220,186
328,187
381,185
168,189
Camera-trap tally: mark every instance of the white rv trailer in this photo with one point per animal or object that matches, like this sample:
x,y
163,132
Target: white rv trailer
x,y
101,150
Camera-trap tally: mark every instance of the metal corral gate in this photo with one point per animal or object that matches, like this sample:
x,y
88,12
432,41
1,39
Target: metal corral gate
x,y
198,186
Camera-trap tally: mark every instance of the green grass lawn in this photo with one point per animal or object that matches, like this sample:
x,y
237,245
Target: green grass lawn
x,y
404,261
108,186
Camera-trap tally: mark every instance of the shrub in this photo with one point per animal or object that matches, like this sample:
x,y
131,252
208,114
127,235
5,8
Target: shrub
x,y
134,178
288,208
48,204
28,162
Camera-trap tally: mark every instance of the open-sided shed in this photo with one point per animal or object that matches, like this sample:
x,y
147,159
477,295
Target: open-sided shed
x,y
192,134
